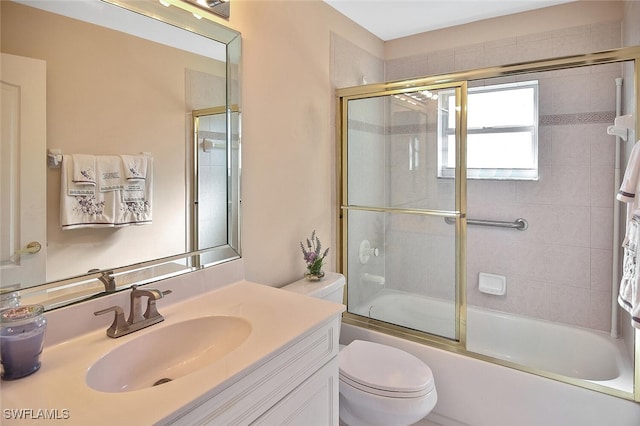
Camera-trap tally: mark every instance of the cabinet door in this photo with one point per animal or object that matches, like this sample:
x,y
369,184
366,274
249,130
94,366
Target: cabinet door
x,y
313,403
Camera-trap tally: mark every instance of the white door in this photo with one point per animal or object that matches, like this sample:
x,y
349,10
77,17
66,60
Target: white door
x,y
22,171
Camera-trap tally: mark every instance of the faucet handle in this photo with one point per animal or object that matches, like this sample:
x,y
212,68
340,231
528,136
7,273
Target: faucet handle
x,y
152,311
119,324
106,278
150,293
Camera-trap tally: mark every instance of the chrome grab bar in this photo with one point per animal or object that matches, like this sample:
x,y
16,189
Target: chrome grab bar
x,y
520,224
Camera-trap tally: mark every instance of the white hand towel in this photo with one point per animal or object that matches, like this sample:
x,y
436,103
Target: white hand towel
x,y
80,206
135,167
84,169
137,200
629,295
629,186
110,173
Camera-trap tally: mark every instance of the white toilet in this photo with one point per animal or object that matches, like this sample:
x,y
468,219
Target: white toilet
x,y
379,384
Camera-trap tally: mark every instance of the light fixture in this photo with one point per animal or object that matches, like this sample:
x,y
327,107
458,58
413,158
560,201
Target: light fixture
x,y
219,7
429,94
214,3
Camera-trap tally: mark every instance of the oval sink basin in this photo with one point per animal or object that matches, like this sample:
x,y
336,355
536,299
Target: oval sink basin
x,y
167,353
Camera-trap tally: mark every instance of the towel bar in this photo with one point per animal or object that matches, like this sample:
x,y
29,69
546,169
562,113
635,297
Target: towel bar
x,y
54,157
520,224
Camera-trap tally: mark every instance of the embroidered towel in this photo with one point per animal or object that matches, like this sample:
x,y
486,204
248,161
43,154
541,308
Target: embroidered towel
x,y
629,295
110,173
81,206
84,169
136,201
628,192
135,167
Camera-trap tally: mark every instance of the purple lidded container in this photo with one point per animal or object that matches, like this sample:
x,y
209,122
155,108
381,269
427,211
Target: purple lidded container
x,y
21,340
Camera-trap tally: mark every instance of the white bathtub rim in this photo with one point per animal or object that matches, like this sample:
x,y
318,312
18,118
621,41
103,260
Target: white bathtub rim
x,y
509,396
622,385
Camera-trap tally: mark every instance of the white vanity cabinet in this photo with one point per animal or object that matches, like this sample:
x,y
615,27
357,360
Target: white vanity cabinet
x,y
314,402
297,385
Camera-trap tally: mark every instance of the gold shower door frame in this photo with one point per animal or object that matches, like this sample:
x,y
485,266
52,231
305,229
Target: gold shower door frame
x,y
459,82
459,212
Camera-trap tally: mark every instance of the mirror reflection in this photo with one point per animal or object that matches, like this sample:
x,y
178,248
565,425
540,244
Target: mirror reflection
x,y
211,165
111,93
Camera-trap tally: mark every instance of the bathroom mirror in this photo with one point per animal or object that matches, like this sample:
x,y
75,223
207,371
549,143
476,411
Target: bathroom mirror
x,y
121,77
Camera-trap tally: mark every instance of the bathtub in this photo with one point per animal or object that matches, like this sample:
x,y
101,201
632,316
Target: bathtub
x,y
542,345
474,392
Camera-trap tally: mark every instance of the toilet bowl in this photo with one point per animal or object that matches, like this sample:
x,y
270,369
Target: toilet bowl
x,y
379,384
383,385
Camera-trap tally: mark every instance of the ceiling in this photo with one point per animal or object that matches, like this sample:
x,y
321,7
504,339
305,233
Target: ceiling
x,y
391,19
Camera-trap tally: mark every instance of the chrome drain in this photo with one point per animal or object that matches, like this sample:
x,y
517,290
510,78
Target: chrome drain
x,y
161,381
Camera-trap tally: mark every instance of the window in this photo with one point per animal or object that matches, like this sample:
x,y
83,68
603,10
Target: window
x,y
502,132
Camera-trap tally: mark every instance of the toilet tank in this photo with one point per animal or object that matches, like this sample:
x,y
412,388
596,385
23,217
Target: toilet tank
x,y
329,288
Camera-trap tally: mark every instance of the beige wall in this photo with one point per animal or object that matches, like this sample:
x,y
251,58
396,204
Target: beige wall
x,y
288,174
631,23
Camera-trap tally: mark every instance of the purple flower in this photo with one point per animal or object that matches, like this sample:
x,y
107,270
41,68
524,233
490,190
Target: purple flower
x,y
311,253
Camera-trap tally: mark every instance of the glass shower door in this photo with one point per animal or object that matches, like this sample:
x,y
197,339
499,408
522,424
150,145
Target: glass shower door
x,y
401,220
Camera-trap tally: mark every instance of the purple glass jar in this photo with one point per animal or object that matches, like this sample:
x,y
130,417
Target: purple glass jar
x,y
21,340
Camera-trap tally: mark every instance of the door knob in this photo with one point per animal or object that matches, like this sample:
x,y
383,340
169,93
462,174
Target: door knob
x,y
32,248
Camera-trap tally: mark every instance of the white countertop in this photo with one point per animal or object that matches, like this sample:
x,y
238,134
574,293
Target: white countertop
x,y
277,318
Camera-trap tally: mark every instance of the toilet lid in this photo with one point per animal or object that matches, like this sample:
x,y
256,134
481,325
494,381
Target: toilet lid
x,y
384,370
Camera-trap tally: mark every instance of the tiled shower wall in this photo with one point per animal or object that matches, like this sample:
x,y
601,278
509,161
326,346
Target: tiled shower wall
x,y
349,66
212,178
560,268
548,44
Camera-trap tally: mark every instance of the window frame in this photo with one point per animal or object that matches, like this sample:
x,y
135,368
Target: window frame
x,y
445,170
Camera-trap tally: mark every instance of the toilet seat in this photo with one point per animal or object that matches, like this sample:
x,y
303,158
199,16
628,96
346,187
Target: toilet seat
x,y
384,370
382,392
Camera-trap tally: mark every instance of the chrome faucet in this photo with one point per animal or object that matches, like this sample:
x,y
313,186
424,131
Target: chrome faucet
x,y
137,320
107,279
